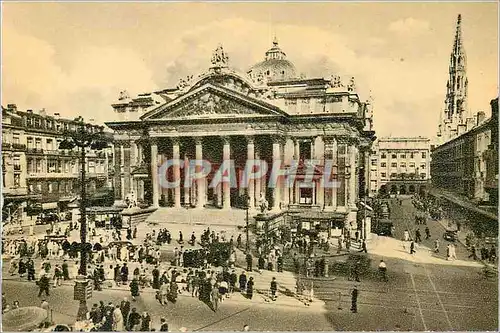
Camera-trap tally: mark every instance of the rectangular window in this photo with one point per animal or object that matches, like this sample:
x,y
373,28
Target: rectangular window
x,y
402,156
403,164
50,144
29,142
383,174
383,155
422,166
383,164
374,162
50,188
17,180
412,164
411,155
423,154
393,175
394,164
394,156
16,138
341,177
422,175
38,143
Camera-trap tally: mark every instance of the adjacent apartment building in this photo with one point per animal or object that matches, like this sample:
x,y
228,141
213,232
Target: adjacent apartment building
x,y
36,174
400,166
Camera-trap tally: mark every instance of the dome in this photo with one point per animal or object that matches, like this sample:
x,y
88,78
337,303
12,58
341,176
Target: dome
x,y
275,67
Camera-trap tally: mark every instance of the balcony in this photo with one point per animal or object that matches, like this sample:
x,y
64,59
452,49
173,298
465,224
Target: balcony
x,y
52,152
33,175
15,190
6,145
18,146
35,151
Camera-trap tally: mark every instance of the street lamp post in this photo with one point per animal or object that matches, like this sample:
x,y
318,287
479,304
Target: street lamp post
x,y
82,138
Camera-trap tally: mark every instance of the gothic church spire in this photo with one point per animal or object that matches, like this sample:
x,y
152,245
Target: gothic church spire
x,y
455,111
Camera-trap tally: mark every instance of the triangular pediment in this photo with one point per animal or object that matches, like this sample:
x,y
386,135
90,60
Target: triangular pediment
x,y
213,102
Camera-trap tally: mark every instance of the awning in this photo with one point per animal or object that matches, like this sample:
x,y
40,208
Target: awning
x,y
49,205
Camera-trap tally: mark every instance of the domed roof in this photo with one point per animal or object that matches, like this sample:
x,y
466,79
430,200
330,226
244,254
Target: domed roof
x,y
275,67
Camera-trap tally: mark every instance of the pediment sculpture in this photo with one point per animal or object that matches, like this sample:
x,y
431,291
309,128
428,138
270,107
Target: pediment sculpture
x,y
212,104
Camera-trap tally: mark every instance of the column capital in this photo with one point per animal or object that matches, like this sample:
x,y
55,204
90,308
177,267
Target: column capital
x,y
250,139
175,140
278,139
226,139
198,140
329,139
153,141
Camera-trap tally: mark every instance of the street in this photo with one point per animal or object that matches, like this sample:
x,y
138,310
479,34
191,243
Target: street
x,y
424,292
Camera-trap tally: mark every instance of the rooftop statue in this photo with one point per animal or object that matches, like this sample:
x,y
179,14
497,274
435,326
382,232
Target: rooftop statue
x,y
219,57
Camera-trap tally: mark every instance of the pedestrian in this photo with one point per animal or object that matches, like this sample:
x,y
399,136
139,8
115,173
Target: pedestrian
x,y
134,289
117,319
145,322
274,288
238,241
163,293
436,246
242,281
250,284
215,297
382,268
65,270
406,236
354,300
163,325
249,260
412,247
45,305
181,238
427,233
124,273
418,236
134,320
246,328
125,309
43,284
355,270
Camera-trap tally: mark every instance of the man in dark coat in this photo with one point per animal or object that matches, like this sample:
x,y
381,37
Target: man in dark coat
x,y
233,278
124,273
65,270
274,288
163,325
134,289
156,278
354,300
95,314
116,273
243,281
249,262
133,320
250,288
125,309
31,270
43,284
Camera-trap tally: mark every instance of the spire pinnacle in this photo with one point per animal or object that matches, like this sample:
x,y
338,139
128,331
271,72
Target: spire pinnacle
x,y
275,41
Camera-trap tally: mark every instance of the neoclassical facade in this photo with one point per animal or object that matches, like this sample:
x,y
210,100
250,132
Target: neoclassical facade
x,y
266,114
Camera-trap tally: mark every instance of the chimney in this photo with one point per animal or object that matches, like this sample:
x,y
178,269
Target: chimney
x,y
481,116
42,112
29,111
12,107
461,128
471,123
57,115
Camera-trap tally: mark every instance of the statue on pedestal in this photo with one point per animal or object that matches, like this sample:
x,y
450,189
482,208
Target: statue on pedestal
x,y
263,204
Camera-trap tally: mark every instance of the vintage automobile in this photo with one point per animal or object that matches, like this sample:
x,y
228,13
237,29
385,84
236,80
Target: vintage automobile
x,y
450,235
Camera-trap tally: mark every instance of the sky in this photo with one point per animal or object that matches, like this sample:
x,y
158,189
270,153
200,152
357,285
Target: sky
x,y
75,58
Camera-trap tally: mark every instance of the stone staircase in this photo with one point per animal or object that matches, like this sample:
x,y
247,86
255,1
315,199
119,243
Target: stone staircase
x,y
206,217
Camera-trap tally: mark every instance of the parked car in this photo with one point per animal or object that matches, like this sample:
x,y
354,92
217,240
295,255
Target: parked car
x,y
450,235
47,218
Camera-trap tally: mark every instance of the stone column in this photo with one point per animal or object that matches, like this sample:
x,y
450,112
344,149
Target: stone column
x,y
251,182
164,191
353,180
296,149
319,185
226,186
335,170
154,172
134,160
279,181
258,184
200,183
187,189
177,171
